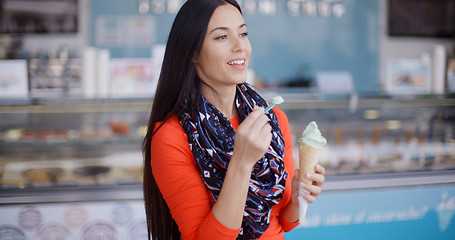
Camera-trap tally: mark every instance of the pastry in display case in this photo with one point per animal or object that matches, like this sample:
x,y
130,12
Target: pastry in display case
x,y
70,147
116,169
382,139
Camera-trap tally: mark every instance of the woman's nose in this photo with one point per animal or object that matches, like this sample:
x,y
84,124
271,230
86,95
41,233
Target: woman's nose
x,y
239,44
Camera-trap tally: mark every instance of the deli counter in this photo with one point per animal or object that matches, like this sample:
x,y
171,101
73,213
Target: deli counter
x,y
72,166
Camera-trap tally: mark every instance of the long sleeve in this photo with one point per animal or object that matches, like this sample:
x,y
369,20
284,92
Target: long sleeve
x,y
289,164
181,185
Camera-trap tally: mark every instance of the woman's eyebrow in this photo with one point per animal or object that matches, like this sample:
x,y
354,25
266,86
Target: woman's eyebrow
x,y
219,28
225,28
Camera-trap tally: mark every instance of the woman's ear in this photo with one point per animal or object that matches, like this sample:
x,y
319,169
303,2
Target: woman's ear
x,y
195,59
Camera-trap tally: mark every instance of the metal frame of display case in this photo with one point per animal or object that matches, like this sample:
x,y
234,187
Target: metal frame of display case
x,y
134,192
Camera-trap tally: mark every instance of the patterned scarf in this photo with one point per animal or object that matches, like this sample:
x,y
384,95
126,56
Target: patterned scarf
x,y
211,139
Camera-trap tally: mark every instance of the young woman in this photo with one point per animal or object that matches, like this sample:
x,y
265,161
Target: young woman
x,y
217,167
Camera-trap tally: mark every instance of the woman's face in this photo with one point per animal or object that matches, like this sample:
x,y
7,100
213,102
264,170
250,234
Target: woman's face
x,y
225,52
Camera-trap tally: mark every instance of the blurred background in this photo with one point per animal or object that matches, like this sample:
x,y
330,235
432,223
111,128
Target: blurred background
x,y
77,78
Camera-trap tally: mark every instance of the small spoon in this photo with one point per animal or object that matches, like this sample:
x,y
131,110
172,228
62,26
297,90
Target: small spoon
x,y
275,101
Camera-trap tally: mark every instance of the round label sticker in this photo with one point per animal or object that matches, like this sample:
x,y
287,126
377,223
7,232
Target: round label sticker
x,y
138,230
99,231
29,218
8,232
122,213
53,231
75,215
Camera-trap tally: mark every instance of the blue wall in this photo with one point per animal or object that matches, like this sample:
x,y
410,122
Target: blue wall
x,y
285,47
414,212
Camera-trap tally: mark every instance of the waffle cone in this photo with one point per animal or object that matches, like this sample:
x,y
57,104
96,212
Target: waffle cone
x,y
308,158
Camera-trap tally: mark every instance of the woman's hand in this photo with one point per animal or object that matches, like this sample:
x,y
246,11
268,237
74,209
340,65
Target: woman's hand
x,y
313,190
252,138
291,211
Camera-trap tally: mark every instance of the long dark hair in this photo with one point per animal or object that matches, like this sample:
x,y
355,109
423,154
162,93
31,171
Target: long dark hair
x,y
178,82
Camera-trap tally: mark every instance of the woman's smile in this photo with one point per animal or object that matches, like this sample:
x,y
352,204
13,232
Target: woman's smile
x,y
238,64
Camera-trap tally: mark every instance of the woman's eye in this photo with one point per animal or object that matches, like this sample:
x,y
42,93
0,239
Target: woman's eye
x,y
222,37
245,34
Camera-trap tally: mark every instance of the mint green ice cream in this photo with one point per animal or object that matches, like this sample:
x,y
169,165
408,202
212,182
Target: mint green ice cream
x,y
312,136
277,100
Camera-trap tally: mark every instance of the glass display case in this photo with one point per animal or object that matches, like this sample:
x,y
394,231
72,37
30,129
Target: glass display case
x,y
379,135
77,144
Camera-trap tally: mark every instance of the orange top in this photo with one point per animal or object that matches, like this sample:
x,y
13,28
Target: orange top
x,y
186,195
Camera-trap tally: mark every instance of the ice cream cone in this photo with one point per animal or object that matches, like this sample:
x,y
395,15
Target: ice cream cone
x,y
308,158
309,145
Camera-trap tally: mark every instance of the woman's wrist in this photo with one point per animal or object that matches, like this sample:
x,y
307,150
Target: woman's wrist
x,y
240,165
291,212
230,205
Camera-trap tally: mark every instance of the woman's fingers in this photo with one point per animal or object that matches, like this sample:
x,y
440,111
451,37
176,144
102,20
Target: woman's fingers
x,y
311,191
316,178
309,198
253,136
255,127
249,121
319,169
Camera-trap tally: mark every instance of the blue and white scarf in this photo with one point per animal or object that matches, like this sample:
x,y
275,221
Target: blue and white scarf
x,y
211,139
